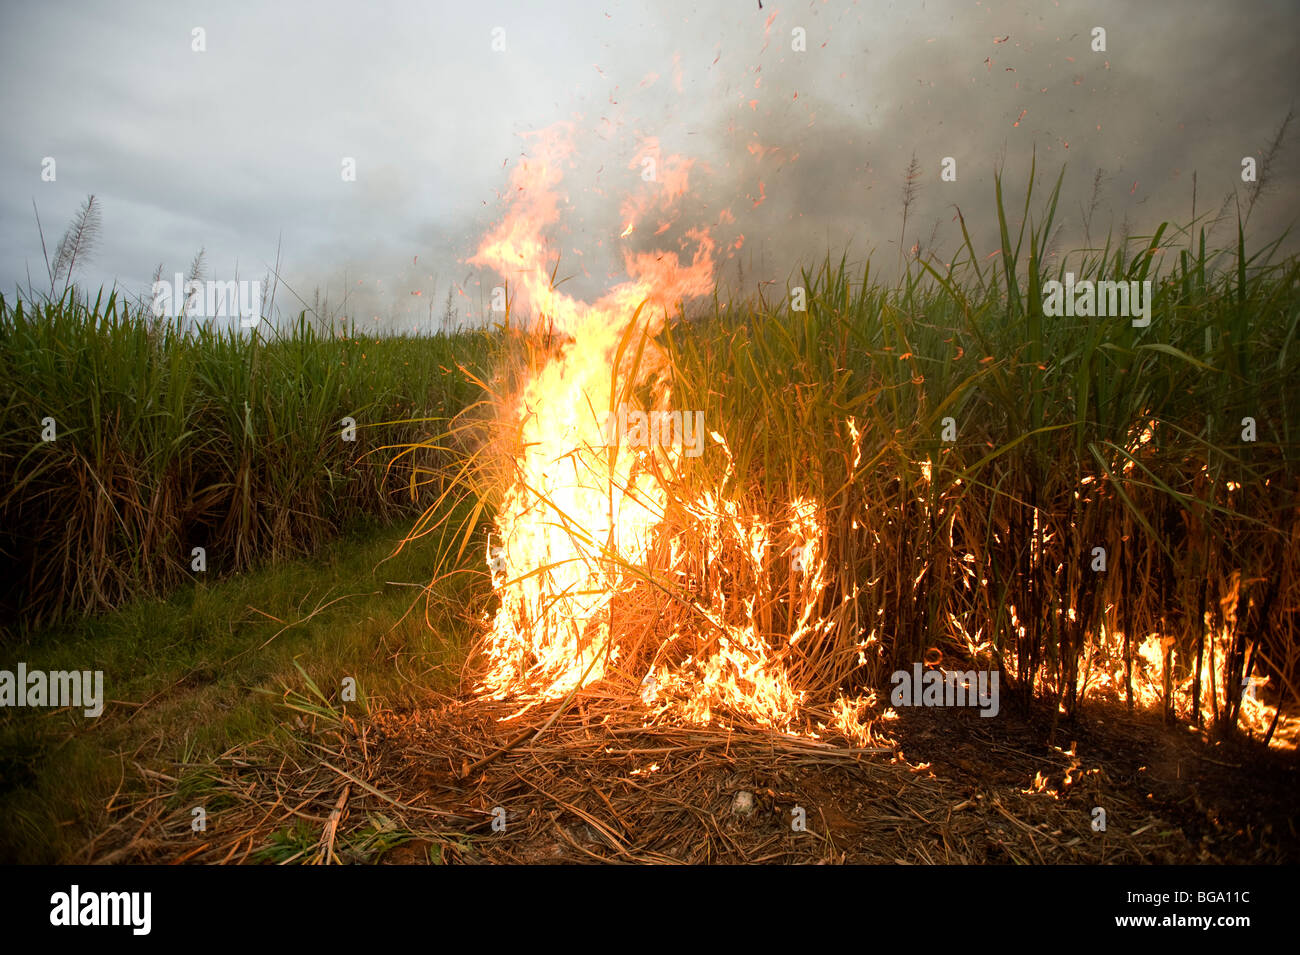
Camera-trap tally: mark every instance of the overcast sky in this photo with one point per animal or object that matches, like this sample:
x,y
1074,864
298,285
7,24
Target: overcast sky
x,y
240,147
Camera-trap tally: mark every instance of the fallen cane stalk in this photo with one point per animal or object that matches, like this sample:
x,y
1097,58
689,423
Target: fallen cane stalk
x,y
331,828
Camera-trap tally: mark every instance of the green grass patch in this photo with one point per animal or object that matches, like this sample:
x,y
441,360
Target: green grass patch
x,y
220,664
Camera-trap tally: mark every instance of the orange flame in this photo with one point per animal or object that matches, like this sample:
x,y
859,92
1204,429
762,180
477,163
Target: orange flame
x,y
578,514
583,536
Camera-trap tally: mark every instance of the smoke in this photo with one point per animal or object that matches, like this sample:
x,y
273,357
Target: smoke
x,y
799,154
828,157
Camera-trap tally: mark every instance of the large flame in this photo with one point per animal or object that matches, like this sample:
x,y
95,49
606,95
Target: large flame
x,y
579,515
586,569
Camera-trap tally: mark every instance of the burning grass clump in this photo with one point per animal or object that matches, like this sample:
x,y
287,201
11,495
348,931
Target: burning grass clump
x,y
1091,507
933,472
610,563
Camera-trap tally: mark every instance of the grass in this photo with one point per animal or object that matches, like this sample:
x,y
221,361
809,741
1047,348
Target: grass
x,y
219,664
164,442
1071,434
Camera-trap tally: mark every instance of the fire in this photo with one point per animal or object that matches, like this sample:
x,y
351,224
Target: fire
x,y
1160,676
577,516
619,559
604,566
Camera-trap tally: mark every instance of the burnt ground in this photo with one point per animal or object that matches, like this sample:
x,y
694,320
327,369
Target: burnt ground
x,y
1230,800
467,782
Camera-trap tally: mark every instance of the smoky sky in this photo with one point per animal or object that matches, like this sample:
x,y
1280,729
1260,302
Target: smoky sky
x,y
802,120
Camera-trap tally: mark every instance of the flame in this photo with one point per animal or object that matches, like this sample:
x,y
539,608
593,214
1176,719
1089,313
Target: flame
x,y
577,515
1161,676
605,567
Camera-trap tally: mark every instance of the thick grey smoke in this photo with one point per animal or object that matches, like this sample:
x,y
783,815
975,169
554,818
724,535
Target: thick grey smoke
x,y
1176,93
